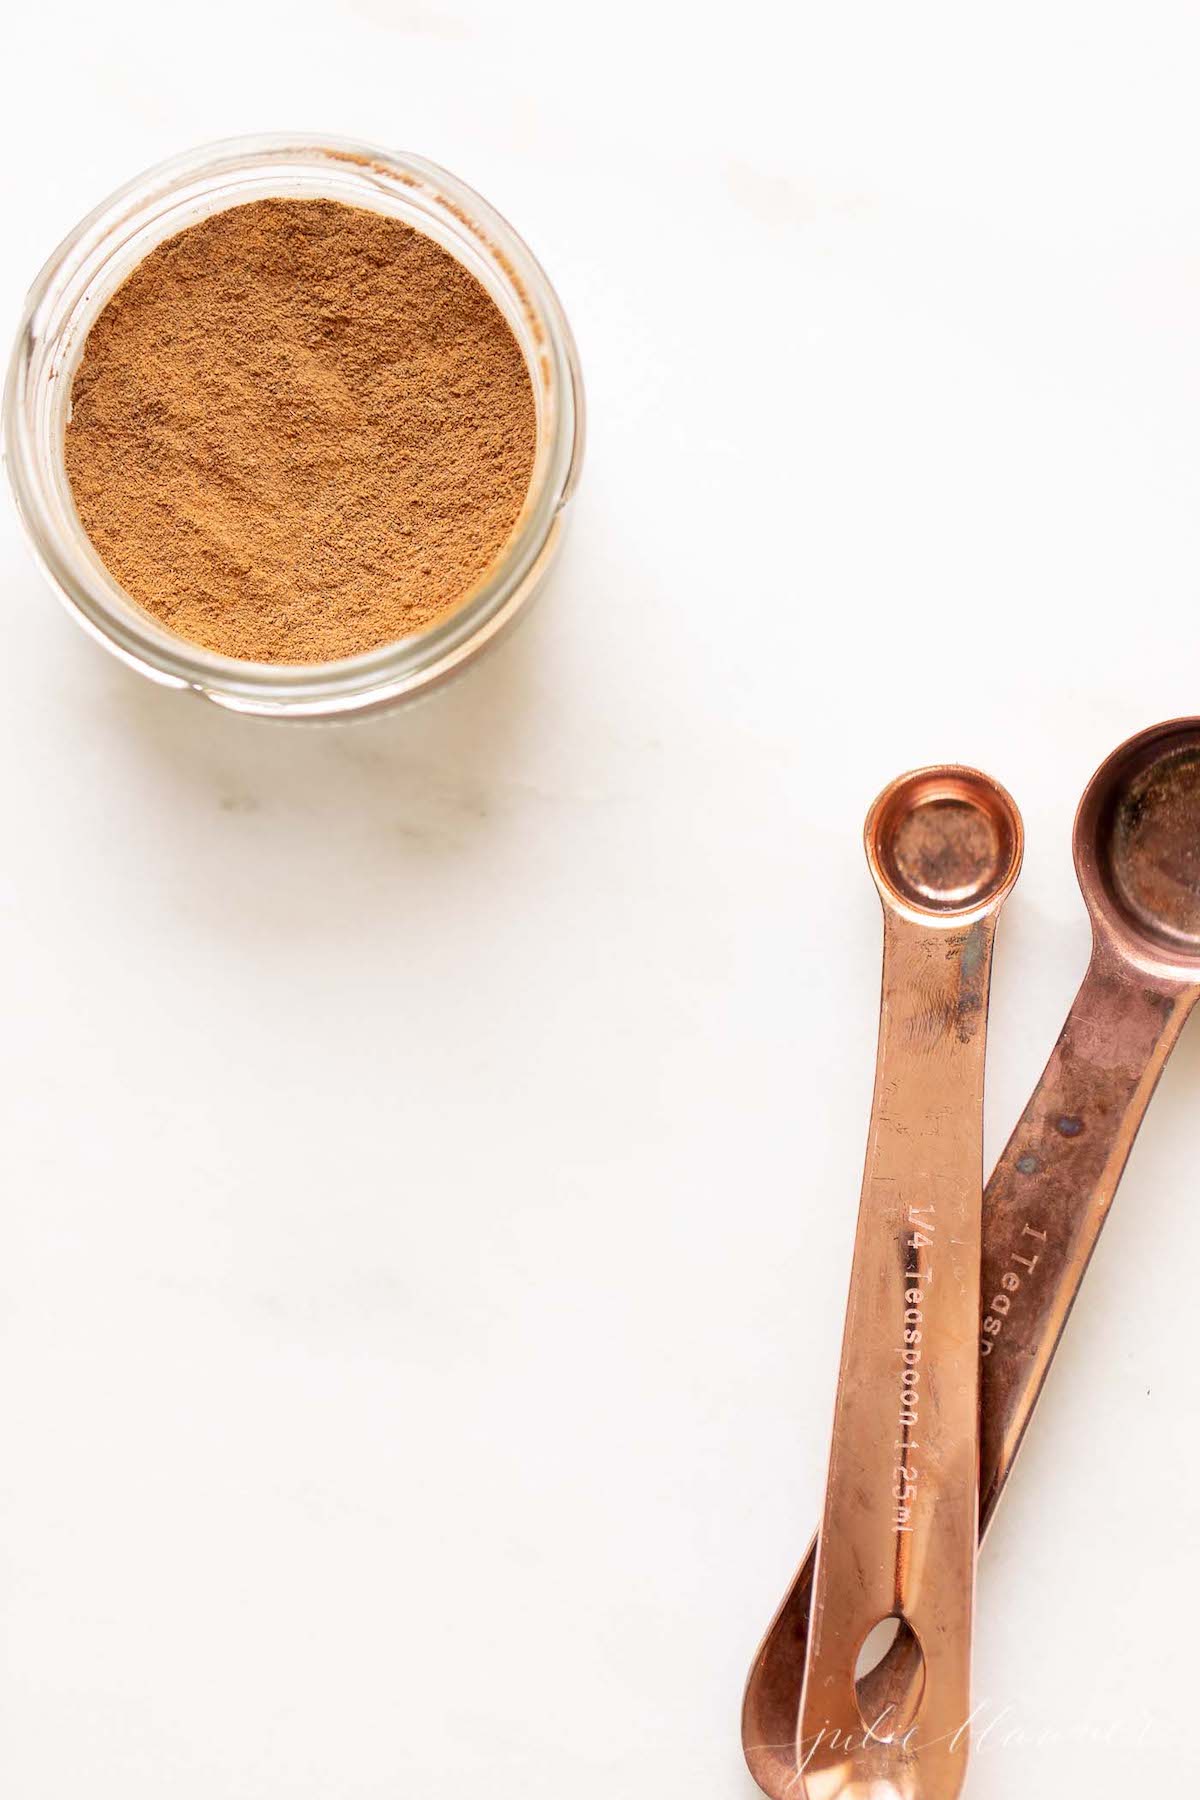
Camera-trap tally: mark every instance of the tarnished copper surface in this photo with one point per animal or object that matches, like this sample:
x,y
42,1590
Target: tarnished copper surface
x,y
1137,856
900,1525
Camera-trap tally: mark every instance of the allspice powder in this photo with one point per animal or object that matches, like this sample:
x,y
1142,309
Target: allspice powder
x,y
300,430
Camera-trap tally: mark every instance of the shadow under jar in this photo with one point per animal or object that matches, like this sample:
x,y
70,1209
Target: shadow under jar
x,y
94,261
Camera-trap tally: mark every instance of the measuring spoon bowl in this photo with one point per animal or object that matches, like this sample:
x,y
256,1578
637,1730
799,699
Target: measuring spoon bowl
x,y
1137,851
946,840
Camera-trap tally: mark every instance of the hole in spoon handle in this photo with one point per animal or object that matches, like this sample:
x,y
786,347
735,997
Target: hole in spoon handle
x,y
889,1677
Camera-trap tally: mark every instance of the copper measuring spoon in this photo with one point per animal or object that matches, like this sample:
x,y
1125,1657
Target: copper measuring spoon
x,y
900,1526
1137,857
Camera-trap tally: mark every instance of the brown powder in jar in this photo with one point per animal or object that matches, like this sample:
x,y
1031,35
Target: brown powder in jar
x,y
300,430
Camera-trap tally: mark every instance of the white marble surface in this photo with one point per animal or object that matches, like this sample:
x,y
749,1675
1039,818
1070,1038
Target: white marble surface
x,y
432,1147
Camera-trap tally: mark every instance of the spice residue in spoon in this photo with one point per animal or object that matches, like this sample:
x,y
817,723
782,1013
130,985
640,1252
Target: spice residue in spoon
x,y
300,430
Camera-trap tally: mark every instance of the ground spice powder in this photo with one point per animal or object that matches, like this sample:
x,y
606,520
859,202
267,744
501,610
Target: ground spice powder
x,y
300,430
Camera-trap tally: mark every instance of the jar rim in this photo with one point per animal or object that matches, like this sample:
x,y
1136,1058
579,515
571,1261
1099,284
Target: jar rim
x,y
230,171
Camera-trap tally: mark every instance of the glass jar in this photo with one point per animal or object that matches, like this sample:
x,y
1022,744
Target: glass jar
x,y
95,259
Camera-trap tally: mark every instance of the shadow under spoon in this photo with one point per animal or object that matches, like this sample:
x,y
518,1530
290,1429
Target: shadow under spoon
x,y
1137,858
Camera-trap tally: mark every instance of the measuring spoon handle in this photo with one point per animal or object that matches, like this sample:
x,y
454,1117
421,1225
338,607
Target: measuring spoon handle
x,y
1050,1192
900,1525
